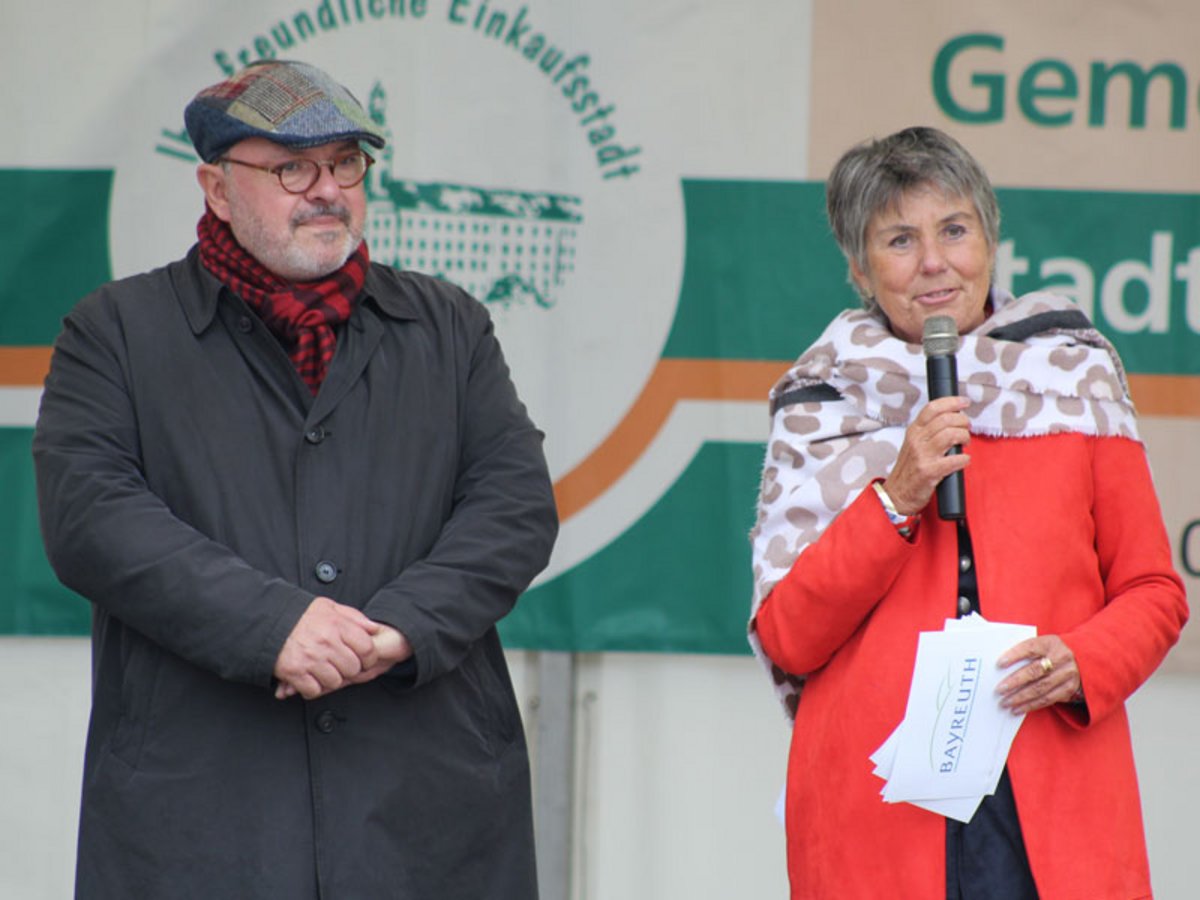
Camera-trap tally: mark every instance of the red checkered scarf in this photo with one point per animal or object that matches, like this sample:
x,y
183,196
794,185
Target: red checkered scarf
x,y
302,315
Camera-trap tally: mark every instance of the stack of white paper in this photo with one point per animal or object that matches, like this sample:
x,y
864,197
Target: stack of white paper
x,y
949,751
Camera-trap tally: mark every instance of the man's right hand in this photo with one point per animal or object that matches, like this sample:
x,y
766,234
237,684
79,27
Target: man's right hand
x,y
326,649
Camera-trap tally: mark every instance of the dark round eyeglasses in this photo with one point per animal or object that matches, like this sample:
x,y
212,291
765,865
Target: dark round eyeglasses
x,y
298,175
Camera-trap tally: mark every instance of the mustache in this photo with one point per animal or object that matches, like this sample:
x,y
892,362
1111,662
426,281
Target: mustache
x,y
318,210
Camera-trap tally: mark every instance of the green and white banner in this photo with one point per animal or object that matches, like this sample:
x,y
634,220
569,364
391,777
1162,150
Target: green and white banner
x,y
636,192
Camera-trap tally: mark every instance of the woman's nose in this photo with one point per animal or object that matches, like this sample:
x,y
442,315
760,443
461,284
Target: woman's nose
x,y
933,258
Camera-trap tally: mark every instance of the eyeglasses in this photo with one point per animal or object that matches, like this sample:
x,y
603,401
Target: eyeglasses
x,y
298,175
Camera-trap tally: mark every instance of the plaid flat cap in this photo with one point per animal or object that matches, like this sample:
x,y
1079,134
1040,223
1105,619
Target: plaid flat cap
x,y
288,102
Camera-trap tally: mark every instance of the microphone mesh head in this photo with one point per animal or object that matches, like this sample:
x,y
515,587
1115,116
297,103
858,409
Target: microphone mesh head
x,y
940,336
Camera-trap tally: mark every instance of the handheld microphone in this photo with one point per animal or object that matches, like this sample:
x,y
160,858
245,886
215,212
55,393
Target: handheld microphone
x,y
940,341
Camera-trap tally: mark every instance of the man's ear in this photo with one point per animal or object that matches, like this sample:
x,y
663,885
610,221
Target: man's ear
x,y
212,177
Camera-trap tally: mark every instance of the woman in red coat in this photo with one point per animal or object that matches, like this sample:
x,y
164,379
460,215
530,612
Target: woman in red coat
x,y
852,560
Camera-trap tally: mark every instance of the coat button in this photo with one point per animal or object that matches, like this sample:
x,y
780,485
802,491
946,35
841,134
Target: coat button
x,y
964,564
316,435
325,722
964,605
245,325
325,571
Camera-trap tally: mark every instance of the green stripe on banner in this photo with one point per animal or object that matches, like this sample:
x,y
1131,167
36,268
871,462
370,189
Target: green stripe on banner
x,y
763,275
33,601
53,251
677,581
657,587
52,254
1132,261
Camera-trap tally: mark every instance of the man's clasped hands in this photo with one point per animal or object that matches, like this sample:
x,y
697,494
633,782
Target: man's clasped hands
x,y
332,646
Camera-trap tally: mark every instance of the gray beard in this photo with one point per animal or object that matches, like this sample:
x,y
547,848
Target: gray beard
x,y
302,267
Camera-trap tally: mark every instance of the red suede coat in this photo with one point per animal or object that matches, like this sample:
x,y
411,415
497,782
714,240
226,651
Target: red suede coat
x,y
1068,536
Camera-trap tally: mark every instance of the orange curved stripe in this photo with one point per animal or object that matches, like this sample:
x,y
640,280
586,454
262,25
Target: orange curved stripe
x,y
671,381
1166,395
24,366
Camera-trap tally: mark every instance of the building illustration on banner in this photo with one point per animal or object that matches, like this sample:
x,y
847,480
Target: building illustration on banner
x,y
505,247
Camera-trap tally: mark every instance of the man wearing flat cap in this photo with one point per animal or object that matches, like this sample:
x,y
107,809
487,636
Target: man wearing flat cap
x,y
299,491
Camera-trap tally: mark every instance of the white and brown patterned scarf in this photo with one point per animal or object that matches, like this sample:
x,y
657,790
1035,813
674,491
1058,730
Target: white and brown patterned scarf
x,y
1037,366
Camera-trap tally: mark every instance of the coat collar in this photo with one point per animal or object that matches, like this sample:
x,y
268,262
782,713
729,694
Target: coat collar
x,y
199,292
397,304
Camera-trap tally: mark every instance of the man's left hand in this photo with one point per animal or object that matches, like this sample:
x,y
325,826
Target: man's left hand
x,y
391,647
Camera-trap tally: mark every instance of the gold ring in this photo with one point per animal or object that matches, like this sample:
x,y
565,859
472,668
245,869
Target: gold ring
x,y
1047,665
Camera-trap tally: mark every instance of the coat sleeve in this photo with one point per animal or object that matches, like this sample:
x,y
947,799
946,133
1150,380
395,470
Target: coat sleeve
x,y
109,537
500,529
1145,605
832,587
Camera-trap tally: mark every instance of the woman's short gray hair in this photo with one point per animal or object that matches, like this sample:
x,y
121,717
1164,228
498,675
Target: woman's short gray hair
x,y
872,176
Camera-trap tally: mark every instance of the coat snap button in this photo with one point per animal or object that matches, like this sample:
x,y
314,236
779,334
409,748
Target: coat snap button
x,y
325,571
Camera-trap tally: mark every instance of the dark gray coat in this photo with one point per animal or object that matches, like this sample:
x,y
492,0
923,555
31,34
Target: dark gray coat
x,y
200,497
